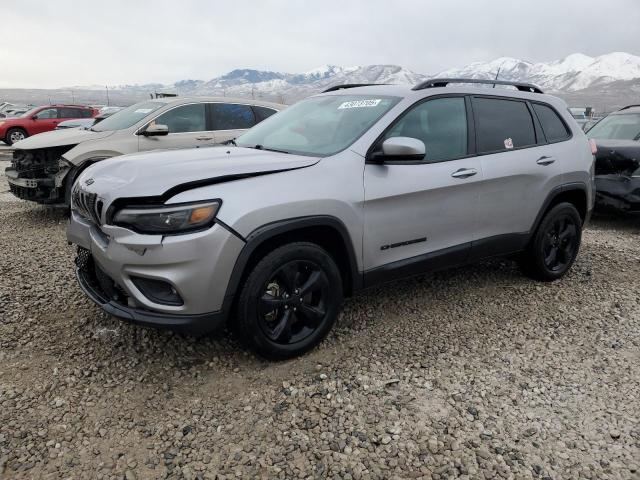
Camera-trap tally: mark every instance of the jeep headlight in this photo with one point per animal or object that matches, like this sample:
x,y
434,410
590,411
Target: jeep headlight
x,y
169,219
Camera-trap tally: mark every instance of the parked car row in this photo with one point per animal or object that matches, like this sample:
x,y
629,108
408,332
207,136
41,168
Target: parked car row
x,y
9,110
88,122
41,119
44,167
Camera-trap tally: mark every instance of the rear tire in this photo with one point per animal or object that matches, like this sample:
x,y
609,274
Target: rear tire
x,y
15,135
555,245
290,301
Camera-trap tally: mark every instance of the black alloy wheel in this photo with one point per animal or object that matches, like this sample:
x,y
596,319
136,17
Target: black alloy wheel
x,y
555,244
293,303
290,301
559,244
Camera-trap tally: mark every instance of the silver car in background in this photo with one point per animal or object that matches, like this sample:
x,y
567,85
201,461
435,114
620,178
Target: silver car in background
x,y
44,166
342,191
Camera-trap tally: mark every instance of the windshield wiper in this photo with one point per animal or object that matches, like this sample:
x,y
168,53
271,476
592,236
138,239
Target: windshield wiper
x,y
262,147
231,141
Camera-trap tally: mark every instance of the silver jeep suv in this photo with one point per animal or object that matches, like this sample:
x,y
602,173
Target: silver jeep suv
x,y
339,192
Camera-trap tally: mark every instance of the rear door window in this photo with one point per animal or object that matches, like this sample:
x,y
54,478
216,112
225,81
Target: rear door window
x,y
71,113
232,116
184,119
552,125
502,124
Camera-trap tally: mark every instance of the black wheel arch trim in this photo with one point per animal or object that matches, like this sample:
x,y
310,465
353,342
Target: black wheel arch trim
x,y
566,187
261,234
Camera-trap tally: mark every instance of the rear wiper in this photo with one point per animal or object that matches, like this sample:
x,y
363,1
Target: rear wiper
x,y
262,147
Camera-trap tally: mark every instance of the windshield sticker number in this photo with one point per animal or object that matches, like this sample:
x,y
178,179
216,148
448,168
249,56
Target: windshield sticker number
x,y
360,104
144,110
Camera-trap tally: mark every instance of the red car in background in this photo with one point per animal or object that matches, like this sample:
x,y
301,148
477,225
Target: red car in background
x,y
41,119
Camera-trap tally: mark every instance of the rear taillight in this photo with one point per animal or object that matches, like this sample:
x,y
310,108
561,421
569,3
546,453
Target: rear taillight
x,y
594,147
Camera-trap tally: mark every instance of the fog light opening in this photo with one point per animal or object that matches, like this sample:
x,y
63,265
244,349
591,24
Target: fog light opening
x,y
158,291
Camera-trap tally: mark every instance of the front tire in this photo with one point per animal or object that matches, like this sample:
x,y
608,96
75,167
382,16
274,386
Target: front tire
x,y
555,245
290,301
15,135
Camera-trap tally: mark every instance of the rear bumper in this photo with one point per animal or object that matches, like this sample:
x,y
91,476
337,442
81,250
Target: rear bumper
x,y
197,325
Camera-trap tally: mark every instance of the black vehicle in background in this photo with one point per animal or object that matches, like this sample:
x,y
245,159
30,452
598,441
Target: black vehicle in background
x,y
617,168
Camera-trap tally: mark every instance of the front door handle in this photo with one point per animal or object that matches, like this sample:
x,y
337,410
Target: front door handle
x,y
544,160
464,173
204,138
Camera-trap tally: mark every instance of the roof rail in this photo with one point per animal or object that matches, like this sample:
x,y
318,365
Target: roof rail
x,y
628,107
443,82
350,85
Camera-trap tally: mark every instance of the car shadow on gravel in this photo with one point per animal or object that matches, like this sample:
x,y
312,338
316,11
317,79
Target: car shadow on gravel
x,y
627,222
39,216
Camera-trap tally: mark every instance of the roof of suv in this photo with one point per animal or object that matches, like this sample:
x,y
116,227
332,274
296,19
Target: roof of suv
x,y
409,91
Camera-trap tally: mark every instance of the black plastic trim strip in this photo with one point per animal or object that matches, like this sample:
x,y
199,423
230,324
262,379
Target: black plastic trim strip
x,y
418,265
230,230
443,82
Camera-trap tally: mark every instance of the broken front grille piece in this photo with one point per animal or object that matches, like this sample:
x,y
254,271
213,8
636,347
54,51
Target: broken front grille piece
x,y
86,204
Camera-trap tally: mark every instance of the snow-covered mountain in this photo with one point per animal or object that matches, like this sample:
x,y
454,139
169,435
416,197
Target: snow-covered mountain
x,y
608,80
291,86
573,73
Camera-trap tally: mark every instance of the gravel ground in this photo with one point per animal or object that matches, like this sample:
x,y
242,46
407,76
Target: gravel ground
x,y
472,373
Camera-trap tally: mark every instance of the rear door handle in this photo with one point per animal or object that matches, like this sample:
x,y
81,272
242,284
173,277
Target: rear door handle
x,y
464,173
544,160
204,138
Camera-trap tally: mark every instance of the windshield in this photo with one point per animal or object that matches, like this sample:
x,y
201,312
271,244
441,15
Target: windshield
x,y
318,126
127,117
617,127
31,112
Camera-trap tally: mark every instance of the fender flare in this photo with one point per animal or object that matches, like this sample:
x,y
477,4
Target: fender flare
x,y
265,232
566,187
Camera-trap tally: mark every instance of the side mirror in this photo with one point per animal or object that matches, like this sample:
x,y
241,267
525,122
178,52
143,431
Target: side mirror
x,y
400,148
34,117
155,130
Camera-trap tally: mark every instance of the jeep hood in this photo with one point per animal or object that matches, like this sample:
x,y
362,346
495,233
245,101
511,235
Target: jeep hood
x,y
59,138
163,174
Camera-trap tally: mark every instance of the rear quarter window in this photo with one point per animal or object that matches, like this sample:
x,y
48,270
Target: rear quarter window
x,y
502,124
263,113
552,125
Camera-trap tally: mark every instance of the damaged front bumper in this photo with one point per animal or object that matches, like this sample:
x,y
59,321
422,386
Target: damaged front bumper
x,y
38,180
617,193
112,261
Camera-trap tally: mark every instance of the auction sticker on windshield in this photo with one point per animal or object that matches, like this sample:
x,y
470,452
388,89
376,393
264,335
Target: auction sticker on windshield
x,y
360,103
